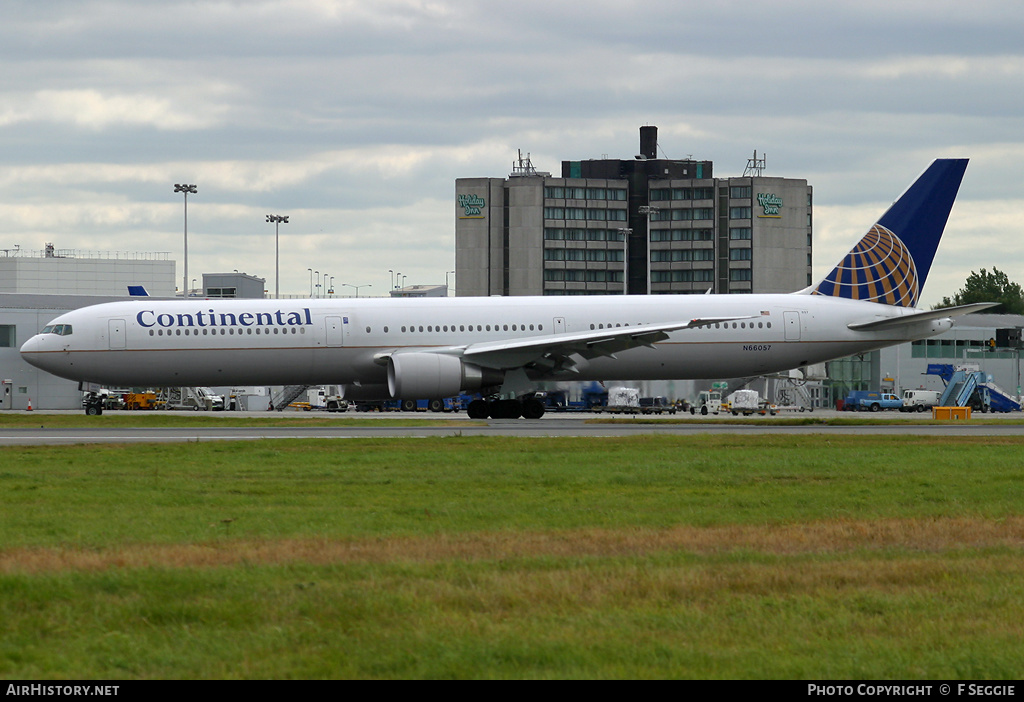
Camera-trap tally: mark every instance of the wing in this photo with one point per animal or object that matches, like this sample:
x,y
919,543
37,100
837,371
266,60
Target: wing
x,y
557,353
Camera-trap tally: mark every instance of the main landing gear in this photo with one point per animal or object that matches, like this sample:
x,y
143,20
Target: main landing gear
x,y
528,408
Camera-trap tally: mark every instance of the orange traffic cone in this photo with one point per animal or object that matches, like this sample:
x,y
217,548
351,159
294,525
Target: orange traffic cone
x,y
30,404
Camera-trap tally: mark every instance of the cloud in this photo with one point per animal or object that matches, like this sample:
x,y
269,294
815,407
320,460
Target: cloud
x,y
356,118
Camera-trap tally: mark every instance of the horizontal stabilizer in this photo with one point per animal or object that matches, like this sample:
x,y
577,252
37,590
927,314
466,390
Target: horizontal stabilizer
x,y
902,320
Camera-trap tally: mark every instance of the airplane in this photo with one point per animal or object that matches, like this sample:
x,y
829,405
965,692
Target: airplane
x,y
503,347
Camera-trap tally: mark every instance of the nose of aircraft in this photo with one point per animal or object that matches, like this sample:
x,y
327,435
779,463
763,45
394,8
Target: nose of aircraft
x,y
34,352
30,346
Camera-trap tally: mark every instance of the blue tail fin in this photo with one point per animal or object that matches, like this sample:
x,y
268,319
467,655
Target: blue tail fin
x,y
890,264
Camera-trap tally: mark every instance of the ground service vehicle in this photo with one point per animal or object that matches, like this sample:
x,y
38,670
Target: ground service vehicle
x,y
920,400
870,401
708,401
621,400
656,405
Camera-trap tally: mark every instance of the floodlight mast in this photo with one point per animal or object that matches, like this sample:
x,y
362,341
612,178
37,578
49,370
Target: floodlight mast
x,y
277,220
186,189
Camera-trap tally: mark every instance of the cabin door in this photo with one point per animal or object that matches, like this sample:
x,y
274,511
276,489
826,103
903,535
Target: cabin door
x,y
116,333
335,330
559,323
792,321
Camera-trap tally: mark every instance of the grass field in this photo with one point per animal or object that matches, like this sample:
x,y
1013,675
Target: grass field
x,y
642,557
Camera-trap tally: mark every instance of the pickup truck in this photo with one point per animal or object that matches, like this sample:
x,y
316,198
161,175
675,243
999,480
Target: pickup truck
x,y
862,401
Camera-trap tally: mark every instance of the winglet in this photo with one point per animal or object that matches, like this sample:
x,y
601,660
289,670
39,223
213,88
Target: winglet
x,y
891,263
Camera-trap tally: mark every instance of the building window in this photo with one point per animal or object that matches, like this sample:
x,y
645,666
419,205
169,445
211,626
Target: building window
x,y
220,292
738,192
740,212
696,276
676,255
7,336
739,254
740,274
740,233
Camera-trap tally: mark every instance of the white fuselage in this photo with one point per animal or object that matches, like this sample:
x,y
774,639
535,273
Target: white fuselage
x,y
213,342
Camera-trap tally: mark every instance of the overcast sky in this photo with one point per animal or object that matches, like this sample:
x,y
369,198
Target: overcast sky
x,y
355,119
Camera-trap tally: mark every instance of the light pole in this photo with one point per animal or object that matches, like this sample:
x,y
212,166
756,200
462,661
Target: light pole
x,y
392,278
186,189
368,285
648,210
625,232
278,220
317,294
330,288
310,281
446,280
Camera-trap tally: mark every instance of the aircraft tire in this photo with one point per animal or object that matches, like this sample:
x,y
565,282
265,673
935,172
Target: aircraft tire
x,y
533,409
478,409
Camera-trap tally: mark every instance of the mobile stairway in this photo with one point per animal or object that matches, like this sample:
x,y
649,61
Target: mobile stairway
x,y
288,395
969,387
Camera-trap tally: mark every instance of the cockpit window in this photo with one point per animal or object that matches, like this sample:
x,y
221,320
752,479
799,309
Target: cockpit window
x,y
58,329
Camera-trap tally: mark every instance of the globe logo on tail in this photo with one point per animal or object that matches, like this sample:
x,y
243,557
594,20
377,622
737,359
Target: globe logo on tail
x,y
878,269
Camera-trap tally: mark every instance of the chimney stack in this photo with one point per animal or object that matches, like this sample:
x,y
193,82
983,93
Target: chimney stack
x,y
649,142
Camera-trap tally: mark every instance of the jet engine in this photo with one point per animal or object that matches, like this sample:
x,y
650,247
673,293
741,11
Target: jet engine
x,y
430,376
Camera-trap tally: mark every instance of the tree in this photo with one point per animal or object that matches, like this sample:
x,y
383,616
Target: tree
x,y
989,287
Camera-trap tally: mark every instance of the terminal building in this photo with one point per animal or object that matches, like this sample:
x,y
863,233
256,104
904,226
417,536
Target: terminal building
x,y
645,225
55,271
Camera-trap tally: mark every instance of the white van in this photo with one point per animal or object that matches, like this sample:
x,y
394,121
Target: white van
x,y
920,400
